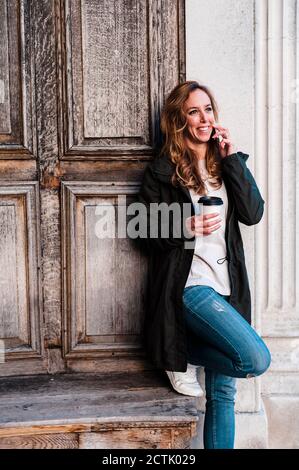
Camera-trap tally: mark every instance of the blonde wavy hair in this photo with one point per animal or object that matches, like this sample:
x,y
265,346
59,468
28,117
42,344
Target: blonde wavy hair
x,y
173,127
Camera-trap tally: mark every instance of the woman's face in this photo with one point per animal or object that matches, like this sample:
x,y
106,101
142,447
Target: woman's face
x,y
200,116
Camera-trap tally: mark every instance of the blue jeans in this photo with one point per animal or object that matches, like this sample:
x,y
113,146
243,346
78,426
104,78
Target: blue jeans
x,y
222,341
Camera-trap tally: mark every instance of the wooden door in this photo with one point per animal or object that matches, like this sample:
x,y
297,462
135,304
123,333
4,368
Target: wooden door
x,y
81,88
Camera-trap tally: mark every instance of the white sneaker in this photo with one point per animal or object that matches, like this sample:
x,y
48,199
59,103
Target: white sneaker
x,y
186,382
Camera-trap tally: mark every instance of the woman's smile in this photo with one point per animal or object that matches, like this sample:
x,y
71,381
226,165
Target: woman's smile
x,y
204,130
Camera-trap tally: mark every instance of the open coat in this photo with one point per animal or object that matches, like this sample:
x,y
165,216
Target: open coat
x,y
170,260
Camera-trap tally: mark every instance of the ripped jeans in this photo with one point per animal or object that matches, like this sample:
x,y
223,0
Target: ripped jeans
x,y
223,342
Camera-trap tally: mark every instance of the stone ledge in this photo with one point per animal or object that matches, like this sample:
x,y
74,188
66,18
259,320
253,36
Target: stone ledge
x,y
123,410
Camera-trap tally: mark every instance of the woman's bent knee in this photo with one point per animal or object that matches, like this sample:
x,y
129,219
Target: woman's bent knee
x,y
260,363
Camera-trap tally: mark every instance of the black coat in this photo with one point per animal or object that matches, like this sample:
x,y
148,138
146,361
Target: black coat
x,y
170,261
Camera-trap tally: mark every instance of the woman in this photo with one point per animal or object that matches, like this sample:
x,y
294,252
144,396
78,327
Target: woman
x,y
198,303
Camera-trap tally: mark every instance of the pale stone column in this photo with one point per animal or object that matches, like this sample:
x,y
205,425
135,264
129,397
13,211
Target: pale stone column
x,y
247,52
277,305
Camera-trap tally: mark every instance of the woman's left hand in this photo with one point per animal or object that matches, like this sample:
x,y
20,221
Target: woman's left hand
x,y
226,147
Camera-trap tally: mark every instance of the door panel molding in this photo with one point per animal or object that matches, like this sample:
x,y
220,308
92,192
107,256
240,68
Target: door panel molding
x,y
117,69
17,124
103,304
19,256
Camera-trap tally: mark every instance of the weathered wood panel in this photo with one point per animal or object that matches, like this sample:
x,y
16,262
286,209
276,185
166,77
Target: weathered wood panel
x,y
24,171
47,53
17,136
92,170
22,367
101,363
124,410
11,276
81,89
120,62
5,120
107,57
19,257
114,48
42,441
104,304
140,438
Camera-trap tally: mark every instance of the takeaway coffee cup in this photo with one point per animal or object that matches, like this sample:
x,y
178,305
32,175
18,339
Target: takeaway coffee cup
x,y
210,205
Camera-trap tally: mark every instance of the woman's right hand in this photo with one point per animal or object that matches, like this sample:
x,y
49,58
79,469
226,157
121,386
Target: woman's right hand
x,y
198,225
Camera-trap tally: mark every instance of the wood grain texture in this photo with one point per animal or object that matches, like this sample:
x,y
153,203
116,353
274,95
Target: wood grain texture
x,y
19,300
108,70
181,437
118,64
51,266
92,402
17,132
10,170
103,304
43,441
115,69
23,367
92,170
47,136
9,310
123,410
140,438
109,362
46,86
166,24
5,121
152,437
84,86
